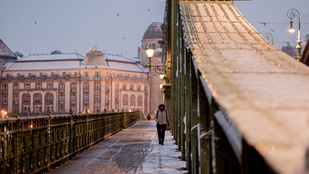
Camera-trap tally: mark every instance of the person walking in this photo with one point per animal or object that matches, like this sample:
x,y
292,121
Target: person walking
x,y
161,117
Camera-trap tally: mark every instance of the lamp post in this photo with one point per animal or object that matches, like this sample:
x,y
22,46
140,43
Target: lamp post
x,y
150,51
293,13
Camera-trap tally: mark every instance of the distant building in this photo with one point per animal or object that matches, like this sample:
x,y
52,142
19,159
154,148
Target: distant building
x,y
98,82
292,51
6,55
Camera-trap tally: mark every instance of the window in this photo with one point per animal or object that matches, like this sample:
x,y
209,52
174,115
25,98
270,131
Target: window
x,y
107,88
38,86
15,88
86,98
124,87
52,74
61,87
97,75
97,97
63,73
41,74
76,74
73,99
97,85
50,86
27,86
61,98
73,87
131,87
86,87
16,99
86,74
139,88
5,99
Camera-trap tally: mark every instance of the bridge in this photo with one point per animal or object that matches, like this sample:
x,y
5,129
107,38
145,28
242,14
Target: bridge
x,y
237,103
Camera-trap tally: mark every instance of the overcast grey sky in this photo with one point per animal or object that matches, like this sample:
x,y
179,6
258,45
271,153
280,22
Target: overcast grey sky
x,y
41,26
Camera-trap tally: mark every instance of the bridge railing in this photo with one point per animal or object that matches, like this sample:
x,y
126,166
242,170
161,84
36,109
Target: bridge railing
x,y
39,144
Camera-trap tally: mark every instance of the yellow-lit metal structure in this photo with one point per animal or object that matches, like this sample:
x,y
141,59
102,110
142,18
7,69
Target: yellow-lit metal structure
x,y
237,103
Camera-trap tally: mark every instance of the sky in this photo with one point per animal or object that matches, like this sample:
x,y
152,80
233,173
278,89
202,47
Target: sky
x,y
117,26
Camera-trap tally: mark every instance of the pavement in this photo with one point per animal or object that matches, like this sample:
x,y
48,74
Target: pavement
x,y
132,150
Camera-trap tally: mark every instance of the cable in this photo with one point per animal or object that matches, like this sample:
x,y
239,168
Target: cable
x,y
264,23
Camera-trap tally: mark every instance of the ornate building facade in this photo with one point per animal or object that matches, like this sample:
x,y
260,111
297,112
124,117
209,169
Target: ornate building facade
x,y
99,82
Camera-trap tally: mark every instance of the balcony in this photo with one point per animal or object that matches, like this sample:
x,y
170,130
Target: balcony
x,y
4,91
86,89
139,104
61,90
61,101
16,102
15,90
97,78
5,102
49,102
125,103
86,101
73,90
73,101
38,102
106,90
107,102
26,102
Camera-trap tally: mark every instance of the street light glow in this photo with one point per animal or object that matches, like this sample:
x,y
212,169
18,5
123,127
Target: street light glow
x,y
291,30
150,52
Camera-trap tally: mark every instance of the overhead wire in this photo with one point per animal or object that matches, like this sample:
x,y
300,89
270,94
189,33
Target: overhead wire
x,y
273,30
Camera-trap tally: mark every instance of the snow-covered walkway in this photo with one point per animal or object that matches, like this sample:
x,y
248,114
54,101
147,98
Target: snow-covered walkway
x,y
133,150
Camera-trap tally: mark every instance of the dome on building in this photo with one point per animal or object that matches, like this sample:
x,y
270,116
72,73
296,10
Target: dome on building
x,y
154,31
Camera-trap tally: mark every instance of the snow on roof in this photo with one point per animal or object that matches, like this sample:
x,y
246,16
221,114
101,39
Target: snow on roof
x,y
44,65
51,57
119,58
124,66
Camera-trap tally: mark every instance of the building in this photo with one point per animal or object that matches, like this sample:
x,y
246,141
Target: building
x,y
63,83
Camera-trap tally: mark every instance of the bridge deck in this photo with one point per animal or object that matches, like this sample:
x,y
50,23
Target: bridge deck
x,y
263,91
133,150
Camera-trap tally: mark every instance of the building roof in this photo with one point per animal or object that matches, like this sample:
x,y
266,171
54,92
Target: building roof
x,y
94,59
46,62
154,31
5,51
117,62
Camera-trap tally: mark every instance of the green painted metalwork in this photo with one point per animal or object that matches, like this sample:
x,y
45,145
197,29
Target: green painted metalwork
x,y
39,144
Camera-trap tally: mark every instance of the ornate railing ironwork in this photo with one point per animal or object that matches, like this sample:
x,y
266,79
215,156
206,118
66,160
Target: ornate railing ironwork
x,y
39,144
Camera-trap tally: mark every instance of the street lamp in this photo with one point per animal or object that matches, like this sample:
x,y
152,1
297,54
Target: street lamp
x,y
3,113
293,13
150,51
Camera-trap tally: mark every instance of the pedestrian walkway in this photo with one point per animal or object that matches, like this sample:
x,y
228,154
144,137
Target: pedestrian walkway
x,y
133,150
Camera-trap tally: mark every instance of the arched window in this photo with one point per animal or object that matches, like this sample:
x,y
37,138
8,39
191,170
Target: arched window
x,y
132,100
140,100
125,99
